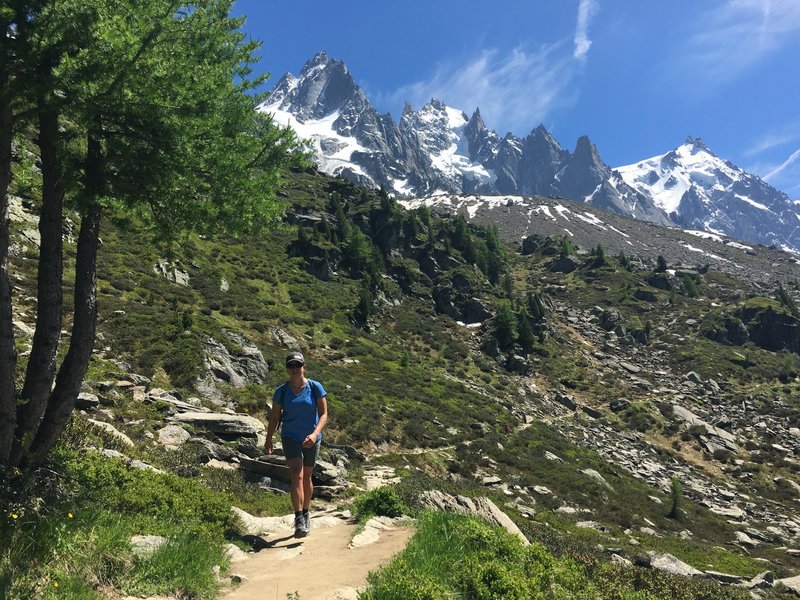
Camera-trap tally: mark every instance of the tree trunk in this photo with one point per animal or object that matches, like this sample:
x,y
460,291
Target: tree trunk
x,y
42,361
84,323
73,369
8,352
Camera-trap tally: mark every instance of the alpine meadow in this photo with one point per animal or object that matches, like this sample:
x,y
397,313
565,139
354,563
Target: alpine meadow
x,y
533,391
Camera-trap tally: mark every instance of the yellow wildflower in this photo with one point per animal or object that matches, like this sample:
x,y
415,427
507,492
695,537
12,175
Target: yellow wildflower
x,y
69,515
55,584
14,516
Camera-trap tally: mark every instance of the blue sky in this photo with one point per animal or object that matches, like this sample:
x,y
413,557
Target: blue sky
x,y
637,76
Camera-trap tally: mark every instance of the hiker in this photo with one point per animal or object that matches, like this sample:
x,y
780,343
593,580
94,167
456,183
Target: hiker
x,y
301,405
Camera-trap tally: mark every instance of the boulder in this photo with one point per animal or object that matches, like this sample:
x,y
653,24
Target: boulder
x,y
144,546
86,401
244,366
480,507
173,435
566,400
666,562
113,432
563,264
792,584
224,425
284,338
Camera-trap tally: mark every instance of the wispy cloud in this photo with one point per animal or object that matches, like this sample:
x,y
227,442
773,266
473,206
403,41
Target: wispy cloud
x,y
768,142
783,166
736,36
515,90
586,10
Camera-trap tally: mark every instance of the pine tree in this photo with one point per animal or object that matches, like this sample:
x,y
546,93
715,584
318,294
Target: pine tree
x,y
624,261
567,247
661,264
525,335
158,98
505,325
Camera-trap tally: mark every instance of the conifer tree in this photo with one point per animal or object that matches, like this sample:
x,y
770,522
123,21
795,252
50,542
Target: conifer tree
x,y
525,335
136,105
505,325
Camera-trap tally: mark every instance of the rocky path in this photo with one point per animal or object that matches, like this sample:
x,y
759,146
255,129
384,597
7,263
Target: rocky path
x,y
323,566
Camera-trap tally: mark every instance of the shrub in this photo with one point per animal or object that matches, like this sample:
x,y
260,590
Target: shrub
x,y
382,501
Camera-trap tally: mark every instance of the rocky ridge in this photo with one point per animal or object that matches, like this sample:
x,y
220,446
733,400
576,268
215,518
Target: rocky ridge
x,y
439,149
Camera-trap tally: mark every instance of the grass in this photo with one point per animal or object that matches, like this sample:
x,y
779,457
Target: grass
x,y
407,381
452,556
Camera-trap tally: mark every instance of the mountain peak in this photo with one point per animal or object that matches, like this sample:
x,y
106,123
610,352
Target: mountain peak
x,y
323,87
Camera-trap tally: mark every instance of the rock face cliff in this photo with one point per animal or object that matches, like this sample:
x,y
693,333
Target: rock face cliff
x,y
439,148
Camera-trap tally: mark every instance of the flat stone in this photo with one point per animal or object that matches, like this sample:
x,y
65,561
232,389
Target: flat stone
x,y
725,577
670,564
791,583
745,539
115,433
87,401
144,546
173,435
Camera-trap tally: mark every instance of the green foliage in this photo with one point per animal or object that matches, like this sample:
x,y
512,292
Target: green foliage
x,y
598,255
661,264
624,261
689,284
505,325
365,307
525,335
567,248
54,550
675,493
162,503
536,306
382,501
185,564
453,556
782,296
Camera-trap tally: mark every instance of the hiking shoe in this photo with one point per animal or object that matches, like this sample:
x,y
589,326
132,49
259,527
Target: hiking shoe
x,y
300,529
307,523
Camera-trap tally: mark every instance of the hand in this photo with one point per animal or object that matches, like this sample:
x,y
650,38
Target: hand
x,y
309,441
268,447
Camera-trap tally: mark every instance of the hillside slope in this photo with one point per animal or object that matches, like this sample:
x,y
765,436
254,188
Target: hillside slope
x,y
572,388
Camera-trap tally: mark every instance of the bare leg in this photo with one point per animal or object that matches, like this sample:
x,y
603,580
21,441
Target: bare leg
x,y
308,487
296,469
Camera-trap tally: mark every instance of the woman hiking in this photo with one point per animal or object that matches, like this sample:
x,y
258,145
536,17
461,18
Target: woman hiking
x,y
302,405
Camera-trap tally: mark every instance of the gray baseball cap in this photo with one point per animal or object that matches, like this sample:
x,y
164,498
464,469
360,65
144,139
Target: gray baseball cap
x,y
295,357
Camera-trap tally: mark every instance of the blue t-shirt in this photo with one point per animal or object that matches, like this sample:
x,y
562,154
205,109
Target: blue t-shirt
x,y
300,415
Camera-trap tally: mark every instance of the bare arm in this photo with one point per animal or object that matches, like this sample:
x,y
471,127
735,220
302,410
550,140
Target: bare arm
x,y
322,411
274,418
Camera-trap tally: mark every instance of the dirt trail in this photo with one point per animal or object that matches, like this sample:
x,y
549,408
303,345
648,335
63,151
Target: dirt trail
x,y
317,567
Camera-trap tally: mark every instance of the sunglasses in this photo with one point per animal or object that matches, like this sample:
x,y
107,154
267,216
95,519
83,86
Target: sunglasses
x,y
294,365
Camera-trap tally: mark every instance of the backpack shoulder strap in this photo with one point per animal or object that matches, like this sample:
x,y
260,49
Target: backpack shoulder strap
x,y
314,390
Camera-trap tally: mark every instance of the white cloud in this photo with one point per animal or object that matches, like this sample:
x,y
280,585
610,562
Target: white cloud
x,y
736,36
768,142
783,166
586,10
515,91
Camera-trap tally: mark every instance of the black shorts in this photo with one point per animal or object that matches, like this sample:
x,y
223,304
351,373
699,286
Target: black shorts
x,y
294,449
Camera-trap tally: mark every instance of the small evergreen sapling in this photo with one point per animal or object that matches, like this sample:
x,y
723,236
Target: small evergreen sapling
x,y
676,492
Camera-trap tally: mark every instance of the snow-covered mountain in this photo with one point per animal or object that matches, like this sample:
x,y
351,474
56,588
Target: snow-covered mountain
x,y
439,149
699,190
